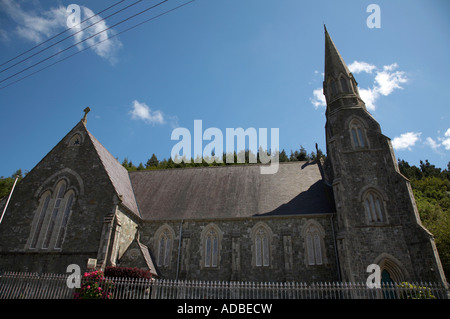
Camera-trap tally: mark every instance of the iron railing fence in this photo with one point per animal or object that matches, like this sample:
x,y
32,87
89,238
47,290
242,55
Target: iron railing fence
x,y
19,285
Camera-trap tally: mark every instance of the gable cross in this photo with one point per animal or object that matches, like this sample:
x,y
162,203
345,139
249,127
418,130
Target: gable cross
x,y
86,111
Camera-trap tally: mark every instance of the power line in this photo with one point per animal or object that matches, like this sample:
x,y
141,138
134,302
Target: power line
x,y
59,52
38,45
112,36
45,49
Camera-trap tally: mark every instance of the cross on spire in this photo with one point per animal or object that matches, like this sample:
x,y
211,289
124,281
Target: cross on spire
x,y
86,111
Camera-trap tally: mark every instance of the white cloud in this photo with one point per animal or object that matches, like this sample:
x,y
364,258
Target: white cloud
x,y
369,96
31,26
440,142
391,67
318,99
101,44
432,143
141,111
446,140
36,27
386,81
405,140
358,67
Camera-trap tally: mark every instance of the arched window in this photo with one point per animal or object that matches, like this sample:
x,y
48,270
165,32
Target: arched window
x,y
261,237
211,238
357,135
56,208
50,223
211,248
164,248
163,242
45,199
262,247
313,246
313,235
344,84
65,219
374,207
75,140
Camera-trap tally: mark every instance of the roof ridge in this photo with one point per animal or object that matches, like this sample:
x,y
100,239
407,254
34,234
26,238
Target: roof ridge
x,y
214,166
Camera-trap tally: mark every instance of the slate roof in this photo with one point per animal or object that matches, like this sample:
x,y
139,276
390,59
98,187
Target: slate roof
x,y
117,174
235,191
148,259
231,192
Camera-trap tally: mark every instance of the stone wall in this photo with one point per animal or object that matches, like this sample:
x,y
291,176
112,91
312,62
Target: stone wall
x,y
81,169
288,255
398,241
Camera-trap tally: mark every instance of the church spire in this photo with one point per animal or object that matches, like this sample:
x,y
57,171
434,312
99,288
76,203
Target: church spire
x,y
334,63
339,82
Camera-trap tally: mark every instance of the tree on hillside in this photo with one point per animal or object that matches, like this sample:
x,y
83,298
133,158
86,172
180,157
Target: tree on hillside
x,y
283,156
7,183
431,189
128,165
152,162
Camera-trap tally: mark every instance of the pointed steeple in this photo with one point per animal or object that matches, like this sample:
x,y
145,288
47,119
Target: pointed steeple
x,y
334,63
339,83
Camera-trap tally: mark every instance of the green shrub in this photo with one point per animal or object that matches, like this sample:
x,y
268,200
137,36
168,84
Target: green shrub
x,y
410,291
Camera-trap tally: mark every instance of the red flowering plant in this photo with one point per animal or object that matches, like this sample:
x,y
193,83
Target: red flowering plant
x,y
94,285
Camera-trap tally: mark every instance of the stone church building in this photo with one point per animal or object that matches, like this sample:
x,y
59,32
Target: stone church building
x,y
309,222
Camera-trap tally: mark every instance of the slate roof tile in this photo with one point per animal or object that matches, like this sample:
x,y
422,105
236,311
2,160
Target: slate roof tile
x,y
231,192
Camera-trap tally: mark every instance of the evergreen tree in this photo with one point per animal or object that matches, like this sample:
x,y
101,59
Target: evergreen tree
x,y
125,163
7,183
292,157
302,155
128,165
283,157
428,169
410,172
152,161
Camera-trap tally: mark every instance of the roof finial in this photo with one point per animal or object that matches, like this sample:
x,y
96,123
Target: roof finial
x,y
86,111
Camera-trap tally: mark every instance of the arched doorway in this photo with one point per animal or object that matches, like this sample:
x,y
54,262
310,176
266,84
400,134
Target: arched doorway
x,y
393,269
392,272
387,283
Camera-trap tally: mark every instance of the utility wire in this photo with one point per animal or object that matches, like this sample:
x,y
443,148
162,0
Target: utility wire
x,y
38,45
71,36
112,36
59,52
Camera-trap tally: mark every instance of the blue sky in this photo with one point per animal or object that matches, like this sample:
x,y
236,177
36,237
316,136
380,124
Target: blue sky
x,y
229,63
